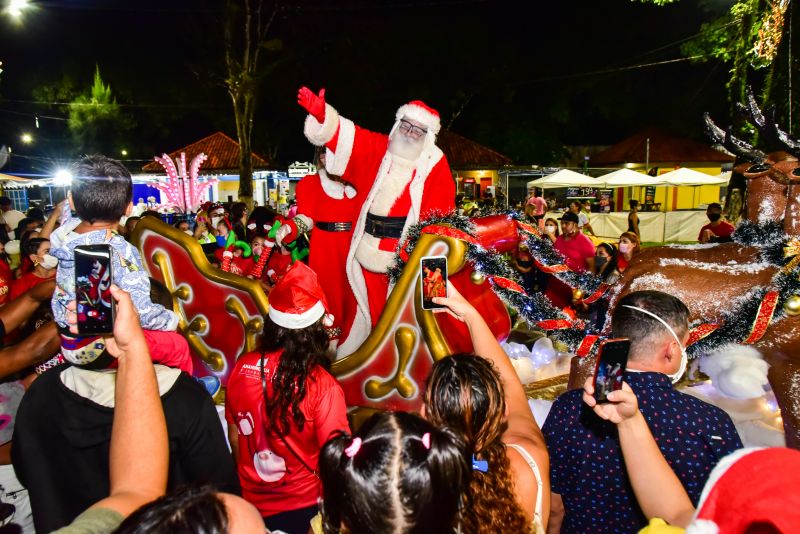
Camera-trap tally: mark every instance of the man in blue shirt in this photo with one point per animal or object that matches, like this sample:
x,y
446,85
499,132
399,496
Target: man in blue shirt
x,y
590,488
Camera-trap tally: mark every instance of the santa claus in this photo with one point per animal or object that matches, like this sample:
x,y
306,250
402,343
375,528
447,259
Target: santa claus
x,y
406,177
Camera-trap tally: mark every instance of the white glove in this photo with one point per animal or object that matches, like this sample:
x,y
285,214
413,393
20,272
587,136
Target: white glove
x,y
282,232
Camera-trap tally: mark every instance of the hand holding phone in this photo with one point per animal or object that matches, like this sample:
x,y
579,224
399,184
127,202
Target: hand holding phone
x,y
612,359
93,277
433,280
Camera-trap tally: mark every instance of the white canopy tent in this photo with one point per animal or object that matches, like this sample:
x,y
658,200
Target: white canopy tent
x,y
565,178
684,176
627,178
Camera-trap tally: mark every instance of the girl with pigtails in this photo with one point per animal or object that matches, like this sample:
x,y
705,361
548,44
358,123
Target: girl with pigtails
x,y
480,398
398,474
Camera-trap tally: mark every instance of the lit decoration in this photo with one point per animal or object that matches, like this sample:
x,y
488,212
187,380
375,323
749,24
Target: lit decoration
x,y
184,190
770,33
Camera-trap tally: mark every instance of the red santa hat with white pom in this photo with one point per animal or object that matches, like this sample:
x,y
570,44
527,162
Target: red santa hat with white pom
x,y
751,490
420,112
297,300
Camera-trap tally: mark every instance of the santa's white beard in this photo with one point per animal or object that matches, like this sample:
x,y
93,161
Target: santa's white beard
x,y
406,147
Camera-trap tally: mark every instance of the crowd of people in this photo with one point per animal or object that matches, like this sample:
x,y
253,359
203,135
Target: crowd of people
x,y
110,433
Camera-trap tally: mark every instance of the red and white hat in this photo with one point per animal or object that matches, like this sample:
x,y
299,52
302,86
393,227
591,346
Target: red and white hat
x,y
751,490
419,112
297,300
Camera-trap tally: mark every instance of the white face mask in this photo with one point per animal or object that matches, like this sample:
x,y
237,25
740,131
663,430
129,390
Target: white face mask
x,y
625,248
684,357
214,221
550,229
188,232
49,262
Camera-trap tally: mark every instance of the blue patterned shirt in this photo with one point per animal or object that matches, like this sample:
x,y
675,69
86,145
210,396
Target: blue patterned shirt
x,y
127,273
586,465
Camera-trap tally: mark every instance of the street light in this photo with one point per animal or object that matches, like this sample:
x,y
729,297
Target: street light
x,y
27,138
124,152
15,8
62,178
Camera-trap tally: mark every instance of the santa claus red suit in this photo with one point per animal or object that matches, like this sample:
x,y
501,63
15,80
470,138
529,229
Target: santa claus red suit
x,y
329,208
406,179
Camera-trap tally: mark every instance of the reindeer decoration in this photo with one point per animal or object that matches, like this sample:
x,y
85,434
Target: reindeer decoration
x,y
721,283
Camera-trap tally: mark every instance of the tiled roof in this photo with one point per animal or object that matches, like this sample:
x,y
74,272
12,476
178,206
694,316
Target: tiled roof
x,y
222,152
663,148
463,153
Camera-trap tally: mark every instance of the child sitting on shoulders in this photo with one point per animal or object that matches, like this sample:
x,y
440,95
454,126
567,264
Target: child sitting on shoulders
x,y
101,194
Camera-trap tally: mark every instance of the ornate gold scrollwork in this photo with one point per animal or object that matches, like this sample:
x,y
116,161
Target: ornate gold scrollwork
x,y
437,345
405,340
190,329
252,325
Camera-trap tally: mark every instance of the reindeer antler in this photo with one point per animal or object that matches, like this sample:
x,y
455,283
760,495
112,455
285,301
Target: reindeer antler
x,y
769,128
736,146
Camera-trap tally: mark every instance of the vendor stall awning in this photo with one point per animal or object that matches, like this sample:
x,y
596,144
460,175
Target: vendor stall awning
x,y
565,178
685,176
628,178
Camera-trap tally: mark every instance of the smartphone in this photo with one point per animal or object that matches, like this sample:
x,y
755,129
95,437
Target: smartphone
x,y
93,278
612,358
433,278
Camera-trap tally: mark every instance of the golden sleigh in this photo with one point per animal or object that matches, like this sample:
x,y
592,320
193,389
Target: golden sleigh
x,y
221,316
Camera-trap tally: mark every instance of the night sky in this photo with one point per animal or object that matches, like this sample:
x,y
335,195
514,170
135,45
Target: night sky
x,y
528,77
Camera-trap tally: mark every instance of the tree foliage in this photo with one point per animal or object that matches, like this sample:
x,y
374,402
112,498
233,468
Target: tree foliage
x,y
95,120
750,39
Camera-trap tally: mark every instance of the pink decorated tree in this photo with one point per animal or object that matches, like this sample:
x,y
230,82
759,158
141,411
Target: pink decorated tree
x,y
184,190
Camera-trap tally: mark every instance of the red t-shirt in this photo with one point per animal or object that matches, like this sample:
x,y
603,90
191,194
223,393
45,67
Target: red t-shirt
x,y
26,282
272,478
575,250
723,229
6,282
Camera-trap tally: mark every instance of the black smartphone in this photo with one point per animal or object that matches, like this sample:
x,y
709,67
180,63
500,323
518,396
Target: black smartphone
x,y
433,278
93,276
612,358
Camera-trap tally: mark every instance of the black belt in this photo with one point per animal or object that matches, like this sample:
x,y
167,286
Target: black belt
x,y
384,227
334,226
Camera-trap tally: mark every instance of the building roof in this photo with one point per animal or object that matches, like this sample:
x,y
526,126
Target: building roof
x,y
222,152
663,148
463,153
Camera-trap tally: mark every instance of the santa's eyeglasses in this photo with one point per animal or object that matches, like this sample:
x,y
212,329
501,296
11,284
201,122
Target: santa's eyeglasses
x,y
411,129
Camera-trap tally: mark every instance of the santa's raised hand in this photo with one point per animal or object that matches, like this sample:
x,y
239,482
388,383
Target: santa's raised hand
x,y
314,104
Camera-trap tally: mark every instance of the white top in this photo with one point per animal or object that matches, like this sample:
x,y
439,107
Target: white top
x,y
537,512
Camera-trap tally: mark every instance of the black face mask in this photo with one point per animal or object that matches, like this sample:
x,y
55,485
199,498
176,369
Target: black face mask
x,y
714,217
599,262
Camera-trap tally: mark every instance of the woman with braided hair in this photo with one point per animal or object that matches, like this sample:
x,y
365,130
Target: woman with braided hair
x,y
398,474
481,399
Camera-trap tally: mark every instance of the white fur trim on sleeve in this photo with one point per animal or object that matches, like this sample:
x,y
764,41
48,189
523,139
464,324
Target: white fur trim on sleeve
x,y
336,162
319,134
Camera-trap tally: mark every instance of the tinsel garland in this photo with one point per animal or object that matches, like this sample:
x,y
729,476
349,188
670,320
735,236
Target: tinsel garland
x,y
495,264
769,237
545,253
737,322
532,308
